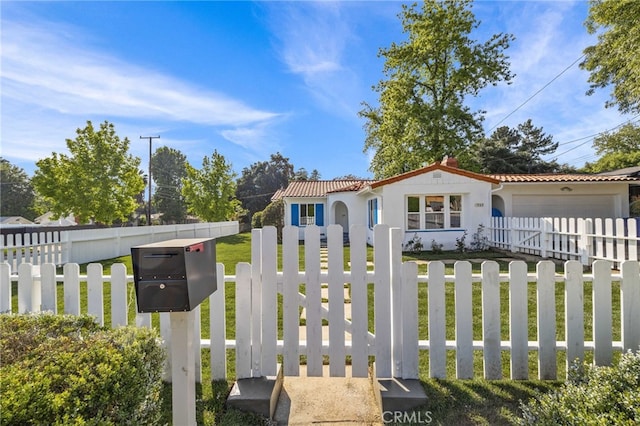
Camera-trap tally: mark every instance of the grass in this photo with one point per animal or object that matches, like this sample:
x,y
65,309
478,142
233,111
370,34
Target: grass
x,y
451,401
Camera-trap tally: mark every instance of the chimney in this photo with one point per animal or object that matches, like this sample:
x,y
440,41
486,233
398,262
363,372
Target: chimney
x,y
449,162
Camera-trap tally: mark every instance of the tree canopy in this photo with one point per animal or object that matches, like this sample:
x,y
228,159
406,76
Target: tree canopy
x,y
16,191
421,114
617,150
98,181
168,168
261,180
209,192
517,150
614,59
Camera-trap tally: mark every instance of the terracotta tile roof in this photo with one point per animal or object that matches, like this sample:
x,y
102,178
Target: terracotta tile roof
x,y
318,188
435,166
548,178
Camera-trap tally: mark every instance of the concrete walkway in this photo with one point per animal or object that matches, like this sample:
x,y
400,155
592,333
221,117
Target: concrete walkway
x,y
327,401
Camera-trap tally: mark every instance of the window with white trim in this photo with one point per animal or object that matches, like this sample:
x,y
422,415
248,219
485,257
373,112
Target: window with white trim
x,y
307,214
438,211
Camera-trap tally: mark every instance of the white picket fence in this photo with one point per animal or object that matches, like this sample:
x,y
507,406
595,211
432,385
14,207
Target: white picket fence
x,y
90,245
581,239
398,291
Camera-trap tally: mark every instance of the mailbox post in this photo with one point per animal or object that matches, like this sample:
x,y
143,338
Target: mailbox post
x,y
175,276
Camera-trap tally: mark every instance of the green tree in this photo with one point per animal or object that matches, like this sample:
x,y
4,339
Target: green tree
x,y
614,59
518,150
421,114
618,149
16,191
261,180
99,181
209,192
168,168
303,174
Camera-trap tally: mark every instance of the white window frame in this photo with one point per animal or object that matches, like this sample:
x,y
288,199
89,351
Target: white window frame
x,y
445,216
306,219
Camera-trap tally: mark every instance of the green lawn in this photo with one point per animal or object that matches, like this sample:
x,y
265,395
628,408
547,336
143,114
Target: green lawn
x,y
451,401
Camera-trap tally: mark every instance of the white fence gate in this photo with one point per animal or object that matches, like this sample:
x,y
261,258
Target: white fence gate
x,y
585,240
389,331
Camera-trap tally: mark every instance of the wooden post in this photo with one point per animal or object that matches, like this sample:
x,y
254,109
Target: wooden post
x,y
183,384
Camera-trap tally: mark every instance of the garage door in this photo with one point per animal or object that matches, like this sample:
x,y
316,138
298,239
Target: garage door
x,y
563,206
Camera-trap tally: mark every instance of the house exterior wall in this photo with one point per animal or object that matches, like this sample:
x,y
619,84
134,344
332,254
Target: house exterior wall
x,y
289,209
476,206
562,199
355,205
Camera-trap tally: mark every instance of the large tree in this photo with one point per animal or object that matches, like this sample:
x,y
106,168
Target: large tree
x,y
261,180
209,192
16,191
168,168
98,181
517,150
421,114
615,59
617,150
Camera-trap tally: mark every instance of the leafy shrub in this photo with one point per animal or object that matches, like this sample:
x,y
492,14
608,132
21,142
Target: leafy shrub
x,y
591,396
461,245
256,220
436,247
479,241
414,245
62,369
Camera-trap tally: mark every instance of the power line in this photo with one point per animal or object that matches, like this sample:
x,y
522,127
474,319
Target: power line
x,y
535,94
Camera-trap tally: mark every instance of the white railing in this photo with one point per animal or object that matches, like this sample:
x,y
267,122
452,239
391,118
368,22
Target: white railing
x,y
585,240
399,293
90,245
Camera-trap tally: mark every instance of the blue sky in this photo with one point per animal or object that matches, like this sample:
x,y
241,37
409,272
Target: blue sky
x,y
249,79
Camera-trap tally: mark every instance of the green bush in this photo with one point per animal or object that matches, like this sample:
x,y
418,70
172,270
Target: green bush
x,y
256,220
62,369
591,396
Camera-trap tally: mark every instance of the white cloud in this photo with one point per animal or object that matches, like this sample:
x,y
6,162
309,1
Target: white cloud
x,y
49,80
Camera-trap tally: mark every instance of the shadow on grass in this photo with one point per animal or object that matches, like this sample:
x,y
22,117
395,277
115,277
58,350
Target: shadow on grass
x,y
480,402
210,406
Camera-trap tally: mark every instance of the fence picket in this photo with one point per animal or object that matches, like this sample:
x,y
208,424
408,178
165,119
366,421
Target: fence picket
x,y
546,317
95,303
518,318
269,300
5,287
49,287
397,323
598,230
602,313
632,231
382,299
609,246
359,303
256,303
464,319
314,300
244,320
119,288
491,320
71,288
630,305
290,306
574,311
218,327
437,321
336,301
410,321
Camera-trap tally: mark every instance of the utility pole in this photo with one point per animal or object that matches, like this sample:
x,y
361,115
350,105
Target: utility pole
x,y
151,138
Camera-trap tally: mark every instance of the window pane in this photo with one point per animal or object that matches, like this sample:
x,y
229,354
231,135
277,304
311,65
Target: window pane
x,y
413,204
455,220
434,203
455,203
434,220
311,210
413,221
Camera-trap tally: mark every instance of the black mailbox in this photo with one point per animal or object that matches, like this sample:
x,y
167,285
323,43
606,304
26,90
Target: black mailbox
x,y
174,275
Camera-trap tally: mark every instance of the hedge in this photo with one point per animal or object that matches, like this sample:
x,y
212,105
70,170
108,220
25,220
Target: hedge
x,y
62,369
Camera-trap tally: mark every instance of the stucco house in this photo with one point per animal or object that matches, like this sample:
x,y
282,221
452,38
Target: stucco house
x,y
441,202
